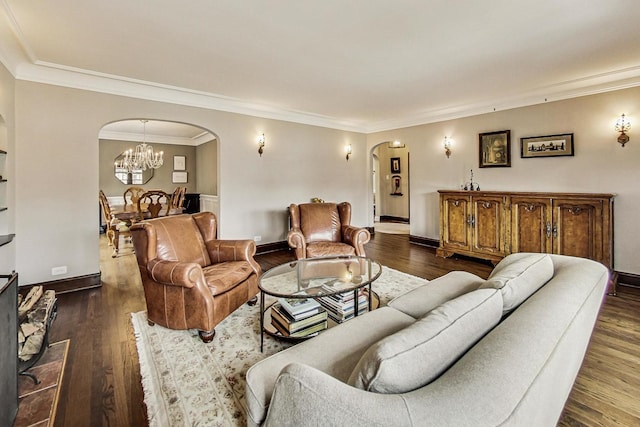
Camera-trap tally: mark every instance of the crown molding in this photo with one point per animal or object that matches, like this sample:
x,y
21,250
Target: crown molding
x,y
58,75
158,139
592,85
54,74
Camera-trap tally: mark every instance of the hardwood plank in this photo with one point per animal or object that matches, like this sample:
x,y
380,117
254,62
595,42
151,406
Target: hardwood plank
x,y
102,385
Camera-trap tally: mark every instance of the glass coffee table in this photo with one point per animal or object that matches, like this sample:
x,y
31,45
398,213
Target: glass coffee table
x,y
315,278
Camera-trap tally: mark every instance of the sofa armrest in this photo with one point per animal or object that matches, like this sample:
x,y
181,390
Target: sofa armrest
x,y
296,240
175,273
305,396
356,237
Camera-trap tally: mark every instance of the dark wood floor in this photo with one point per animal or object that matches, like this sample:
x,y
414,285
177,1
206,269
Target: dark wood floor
x,y
101,383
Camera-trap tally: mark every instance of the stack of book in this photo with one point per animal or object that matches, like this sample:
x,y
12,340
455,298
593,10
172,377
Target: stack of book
x,y
298,318
340,307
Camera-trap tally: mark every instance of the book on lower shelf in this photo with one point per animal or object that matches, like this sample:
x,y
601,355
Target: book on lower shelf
x,y
290,327
293,324
299,307
340,307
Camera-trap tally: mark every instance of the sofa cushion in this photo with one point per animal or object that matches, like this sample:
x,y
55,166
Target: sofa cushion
x,y
421,300
226,275
419,353
518,276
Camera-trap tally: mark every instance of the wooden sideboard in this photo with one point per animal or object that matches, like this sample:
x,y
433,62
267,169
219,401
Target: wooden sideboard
x,y
492,224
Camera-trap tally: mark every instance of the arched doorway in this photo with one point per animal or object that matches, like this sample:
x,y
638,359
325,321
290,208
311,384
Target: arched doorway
x,y
390,172
190,159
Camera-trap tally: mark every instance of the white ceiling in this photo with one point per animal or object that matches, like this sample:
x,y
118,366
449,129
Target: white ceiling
x,y
362,65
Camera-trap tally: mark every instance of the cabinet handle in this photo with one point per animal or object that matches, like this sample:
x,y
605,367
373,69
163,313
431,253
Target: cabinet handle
x,y
555,230
471,220
548,229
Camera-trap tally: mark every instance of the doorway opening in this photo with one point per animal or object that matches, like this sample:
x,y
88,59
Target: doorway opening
x,y
390,174
190,156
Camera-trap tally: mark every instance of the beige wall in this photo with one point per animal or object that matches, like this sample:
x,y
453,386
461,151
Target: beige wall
x,y
53,138
57,176
162,177
600,164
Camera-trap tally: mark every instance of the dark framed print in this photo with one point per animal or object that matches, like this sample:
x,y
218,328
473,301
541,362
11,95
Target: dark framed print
x,y
395,165
495,149
547,146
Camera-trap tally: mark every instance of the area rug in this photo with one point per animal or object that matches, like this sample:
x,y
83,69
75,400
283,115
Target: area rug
x,y
188,383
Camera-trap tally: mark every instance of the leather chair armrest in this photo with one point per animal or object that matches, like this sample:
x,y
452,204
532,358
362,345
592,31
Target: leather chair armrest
x,y
355,236
233,250
175,273
296,240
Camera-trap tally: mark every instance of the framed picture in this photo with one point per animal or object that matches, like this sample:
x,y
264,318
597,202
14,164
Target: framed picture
x,y
395,165
179,177
495,149
547,146
179,163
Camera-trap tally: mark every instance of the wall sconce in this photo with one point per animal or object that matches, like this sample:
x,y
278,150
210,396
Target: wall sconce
x,y
348,150
623,125
261,141
447,146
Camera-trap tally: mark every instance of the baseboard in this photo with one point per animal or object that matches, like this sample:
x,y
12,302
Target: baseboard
x,y
389,218
628,279
271,247
424,241
72,284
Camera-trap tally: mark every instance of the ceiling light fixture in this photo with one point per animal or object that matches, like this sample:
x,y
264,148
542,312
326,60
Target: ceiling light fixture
x,y
143,157
396,144
623,125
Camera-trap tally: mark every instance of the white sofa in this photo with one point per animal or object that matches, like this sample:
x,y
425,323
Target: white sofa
x,y
505,351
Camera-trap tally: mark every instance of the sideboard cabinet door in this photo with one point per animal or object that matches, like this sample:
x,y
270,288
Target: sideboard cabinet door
x,y
577,228
531,224
455,214
488,225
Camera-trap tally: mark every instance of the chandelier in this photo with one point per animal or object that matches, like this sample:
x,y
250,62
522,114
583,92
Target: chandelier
x,y
143,157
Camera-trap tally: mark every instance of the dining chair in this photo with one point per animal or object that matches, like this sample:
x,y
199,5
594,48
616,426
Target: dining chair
x,y
177,199
152,203
115,227
132,194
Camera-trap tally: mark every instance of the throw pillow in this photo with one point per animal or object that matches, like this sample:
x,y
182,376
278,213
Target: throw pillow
x,y
518,276
419,353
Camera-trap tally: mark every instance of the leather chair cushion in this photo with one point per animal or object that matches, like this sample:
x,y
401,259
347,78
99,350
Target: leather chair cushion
x,y
226,275
320,249
320,222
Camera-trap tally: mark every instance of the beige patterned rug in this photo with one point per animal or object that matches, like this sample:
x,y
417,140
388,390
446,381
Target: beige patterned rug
x,y
189,383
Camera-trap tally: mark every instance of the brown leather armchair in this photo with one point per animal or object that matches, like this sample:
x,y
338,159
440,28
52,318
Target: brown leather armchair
x,y
192,280
323,229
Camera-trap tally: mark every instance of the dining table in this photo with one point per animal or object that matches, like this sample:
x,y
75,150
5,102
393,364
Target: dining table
x,y
129,212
